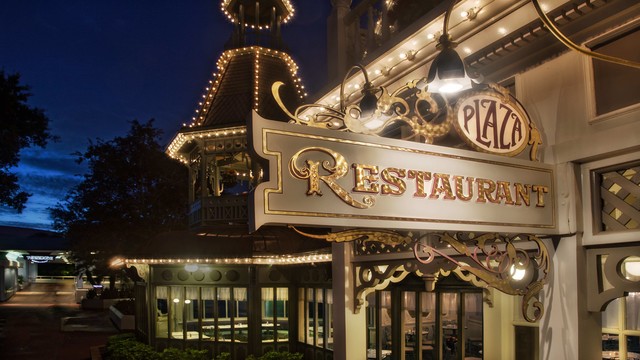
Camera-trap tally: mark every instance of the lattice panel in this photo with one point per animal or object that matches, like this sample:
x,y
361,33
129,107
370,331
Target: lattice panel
x,y
620,194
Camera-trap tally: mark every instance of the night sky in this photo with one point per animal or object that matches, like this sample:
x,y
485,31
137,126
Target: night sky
x,y
94,66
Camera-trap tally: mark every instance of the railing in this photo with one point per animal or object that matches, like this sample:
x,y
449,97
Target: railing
x,y
219,209
372,23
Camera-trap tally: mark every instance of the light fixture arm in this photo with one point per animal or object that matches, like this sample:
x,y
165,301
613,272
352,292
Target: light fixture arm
x,y
447,16
366,86
571,45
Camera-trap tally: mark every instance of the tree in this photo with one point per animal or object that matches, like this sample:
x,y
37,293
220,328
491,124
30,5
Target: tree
x,y
21,126
131,192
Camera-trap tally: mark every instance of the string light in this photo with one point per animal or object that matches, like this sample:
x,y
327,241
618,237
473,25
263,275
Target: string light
x,y
384,66
258,260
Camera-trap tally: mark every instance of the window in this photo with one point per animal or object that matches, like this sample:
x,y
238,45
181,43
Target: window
x,y
621,328
202,313
617,86
315,309
407,324
275,315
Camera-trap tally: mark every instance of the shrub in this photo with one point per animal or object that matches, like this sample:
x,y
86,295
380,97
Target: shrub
x,y
189,354
274,355
223,356
126,347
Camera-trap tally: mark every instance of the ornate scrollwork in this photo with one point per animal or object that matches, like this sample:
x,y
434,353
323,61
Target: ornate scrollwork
x,y
498,262
380,236
408,104
487,260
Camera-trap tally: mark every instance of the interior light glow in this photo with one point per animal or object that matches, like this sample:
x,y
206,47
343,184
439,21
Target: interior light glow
x,y
517,273
191,267
633,267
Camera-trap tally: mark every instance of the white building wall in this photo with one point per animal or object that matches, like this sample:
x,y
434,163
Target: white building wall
x,y
558,97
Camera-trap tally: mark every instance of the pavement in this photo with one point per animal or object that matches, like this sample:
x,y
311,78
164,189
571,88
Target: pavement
x,y
43,321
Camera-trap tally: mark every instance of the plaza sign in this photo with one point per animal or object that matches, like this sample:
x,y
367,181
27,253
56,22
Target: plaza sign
x,y
492,122
331,178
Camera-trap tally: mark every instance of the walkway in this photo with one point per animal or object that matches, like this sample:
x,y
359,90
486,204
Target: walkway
x,y
44,322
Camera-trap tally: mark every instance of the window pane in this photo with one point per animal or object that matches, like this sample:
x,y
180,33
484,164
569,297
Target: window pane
x,y
302,323
633,347
372,335
610,346
268,325
449,312
320,318
617,86
311,314
473,324
240,315
633,311
162,312
282,314
385,322
428,324
408,316
224,320
329,319
176,312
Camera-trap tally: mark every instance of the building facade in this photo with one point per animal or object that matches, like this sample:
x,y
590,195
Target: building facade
x,y
467,282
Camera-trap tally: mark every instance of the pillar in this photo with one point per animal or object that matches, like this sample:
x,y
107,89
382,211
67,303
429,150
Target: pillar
x,y
349,328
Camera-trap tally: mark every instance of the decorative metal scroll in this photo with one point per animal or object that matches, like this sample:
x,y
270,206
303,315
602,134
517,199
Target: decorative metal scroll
x,y
497,261
431,116
428,118
512,264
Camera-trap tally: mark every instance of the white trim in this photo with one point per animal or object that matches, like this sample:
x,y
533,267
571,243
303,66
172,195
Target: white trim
x,y
591,205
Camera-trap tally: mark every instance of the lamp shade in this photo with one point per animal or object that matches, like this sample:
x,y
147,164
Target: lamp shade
x,y
447,73
369,103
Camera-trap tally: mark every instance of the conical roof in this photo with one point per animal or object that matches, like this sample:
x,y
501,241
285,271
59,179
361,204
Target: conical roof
x,y
244,84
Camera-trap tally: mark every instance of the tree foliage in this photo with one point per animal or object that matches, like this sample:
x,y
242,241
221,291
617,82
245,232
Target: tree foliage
x,y
21,126
131,192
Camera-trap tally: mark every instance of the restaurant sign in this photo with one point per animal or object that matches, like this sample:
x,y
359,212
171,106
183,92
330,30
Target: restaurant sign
x,y
330,178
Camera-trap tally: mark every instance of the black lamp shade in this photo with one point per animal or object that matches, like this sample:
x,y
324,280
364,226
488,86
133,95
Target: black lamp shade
x,y
447,65
368,104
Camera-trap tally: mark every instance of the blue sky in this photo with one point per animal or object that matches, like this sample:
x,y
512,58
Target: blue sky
x,y
94,66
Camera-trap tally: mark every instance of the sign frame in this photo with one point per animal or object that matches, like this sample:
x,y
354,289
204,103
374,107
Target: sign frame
x,y
273,143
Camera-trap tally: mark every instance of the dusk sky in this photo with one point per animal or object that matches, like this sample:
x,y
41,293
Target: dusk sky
x,y
93,66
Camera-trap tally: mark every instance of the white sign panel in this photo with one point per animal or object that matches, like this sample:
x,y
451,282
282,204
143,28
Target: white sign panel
x,y
338,179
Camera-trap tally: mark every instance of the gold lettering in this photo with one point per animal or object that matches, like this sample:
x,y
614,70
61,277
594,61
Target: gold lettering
x,y
503,192
394,183
486,193
365,178
541,190
311,172
421,177
523,192
459,192
445,188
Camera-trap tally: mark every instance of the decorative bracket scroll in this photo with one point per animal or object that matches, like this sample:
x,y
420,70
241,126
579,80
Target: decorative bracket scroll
x,y
513,264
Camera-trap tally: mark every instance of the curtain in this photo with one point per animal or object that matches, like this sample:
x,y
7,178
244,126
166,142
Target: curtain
x,y
208,293
192,293
161,292
240,294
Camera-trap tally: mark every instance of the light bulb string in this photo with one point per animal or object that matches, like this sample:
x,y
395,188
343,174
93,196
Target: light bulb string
x,y
570,44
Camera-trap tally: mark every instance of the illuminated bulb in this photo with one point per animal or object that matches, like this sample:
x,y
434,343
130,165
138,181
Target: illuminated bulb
x,y
502,31
516,273
187,301
176,300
